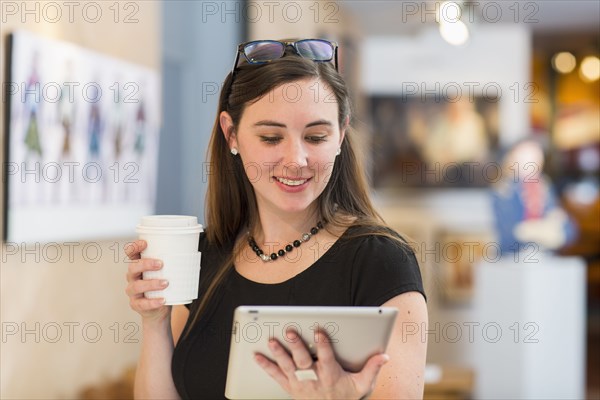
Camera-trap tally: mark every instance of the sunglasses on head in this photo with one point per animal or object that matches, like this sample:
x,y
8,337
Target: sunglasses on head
x,y
264,51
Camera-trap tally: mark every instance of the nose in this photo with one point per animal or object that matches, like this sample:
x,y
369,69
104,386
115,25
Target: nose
x,y
295,157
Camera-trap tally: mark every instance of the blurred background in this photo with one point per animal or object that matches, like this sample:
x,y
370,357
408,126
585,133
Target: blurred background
x,y
444,93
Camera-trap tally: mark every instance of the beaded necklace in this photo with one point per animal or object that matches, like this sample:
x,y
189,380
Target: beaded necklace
x,y
288,248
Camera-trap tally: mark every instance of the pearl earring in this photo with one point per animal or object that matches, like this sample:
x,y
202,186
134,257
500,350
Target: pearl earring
x,y
234,151
339,151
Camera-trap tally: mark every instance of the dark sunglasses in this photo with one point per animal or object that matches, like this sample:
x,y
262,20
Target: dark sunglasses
x,y
264,51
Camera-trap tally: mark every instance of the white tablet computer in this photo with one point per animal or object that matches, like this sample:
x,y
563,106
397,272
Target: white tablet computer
x,y
357,333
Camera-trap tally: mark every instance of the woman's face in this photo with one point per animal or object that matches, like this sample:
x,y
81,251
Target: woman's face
x,y
288,142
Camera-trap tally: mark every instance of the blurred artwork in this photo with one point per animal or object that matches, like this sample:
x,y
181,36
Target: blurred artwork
x,y
82,141
31,111
459,254
526,209
577,126
433,141
457,136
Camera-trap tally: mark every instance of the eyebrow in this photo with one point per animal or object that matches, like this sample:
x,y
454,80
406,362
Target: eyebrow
x,y
280,125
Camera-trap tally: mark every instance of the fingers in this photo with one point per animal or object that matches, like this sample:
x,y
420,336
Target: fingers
x,y
300,354
143,304
327,367
365,379
273,370
137,267
282,358
139,287
133,249
324,349
331,376
136,289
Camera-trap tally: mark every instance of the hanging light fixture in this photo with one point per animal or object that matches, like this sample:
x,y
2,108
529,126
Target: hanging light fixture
x,y
589,70
564,62
452,29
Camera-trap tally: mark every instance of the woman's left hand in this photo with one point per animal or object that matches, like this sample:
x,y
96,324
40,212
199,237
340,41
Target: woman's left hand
x,y
332,381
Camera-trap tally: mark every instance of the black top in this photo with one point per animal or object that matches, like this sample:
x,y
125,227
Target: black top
x,y
362,271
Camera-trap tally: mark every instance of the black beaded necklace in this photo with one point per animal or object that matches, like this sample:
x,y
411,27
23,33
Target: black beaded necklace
x,y
296,243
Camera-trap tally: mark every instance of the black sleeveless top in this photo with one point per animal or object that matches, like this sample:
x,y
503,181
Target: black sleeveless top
x,y
362,271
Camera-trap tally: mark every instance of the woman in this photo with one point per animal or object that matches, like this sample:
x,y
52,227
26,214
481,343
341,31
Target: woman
x,y
289,222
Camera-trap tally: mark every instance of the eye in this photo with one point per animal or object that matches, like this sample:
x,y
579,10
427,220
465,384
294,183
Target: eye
x,y
316,139
270,139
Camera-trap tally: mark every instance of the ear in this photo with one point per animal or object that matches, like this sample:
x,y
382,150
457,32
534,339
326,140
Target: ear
x,y
343,130
228,129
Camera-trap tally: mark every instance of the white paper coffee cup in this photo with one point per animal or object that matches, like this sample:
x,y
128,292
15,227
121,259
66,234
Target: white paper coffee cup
x,y
174,240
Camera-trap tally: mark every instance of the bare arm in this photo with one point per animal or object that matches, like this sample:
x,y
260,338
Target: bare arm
x,y
153,379
153,376
402,376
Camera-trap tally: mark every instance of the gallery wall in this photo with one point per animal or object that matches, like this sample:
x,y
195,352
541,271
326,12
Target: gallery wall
x,y
65,318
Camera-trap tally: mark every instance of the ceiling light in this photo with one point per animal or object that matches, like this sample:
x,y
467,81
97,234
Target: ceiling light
x,y
455,33
449,11
590,69
564,62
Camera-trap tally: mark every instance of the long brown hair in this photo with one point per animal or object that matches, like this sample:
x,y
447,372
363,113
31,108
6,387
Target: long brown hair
x,y
230,200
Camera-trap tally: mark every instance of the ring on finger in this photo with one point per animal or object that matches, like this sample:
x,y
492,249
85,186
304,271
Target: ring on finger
x,y
306,375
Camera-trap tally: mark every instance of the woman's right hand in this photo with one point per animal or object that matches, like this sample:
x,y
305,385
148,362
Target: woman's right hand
x,y
149,309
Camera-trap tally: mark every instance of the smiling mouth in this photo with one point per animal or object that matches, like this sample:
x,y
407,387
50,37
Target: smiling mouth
x,y
292,182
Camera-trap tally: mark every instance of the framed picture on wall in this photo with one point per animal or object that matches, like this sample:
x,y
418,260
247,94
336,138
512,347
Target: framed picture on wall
x,y
432,141
82,142
459,254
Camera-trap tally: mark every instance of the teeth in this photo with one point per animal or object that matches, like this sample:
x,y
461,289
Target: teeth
x,y
290,182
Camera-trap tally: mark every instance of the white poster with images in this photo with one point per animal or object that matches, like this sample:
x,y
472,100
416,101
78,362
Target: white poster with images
x,y
82,142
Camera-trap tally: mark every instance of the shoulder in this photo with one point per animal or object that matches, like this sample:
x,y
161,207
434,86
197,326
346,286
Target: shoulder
x,y
378,251
383,265
379,242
